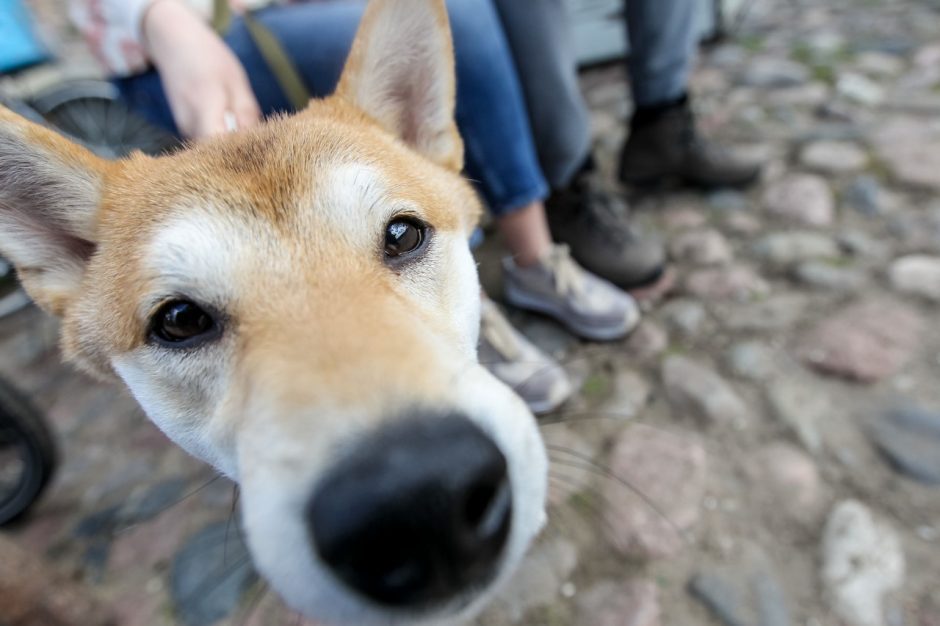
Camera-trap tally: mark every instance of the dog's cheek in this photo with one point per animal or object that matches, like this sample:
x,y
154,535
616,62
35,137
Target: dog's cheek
x,y
181,399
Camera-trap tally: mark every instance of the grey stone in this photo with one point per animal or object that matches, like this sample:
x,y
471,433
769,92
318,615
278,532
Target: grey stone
x,y
156,499
99,523
774,72
879,64
737,282
800,406
909,437
829,277
210,574
719,596
865,194
777,312
781,250
685,316
917,274
701,247
727,200
550,337
862,560
635,603
743,594
630,394
647,341
803,198
860,88
833,157
750,360
863,245
918,231
911,151
538,581
700,393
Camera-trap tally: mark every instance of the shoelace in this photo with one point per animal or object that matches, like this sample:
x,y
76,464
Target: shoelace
x,y
601,211
497,330
568,276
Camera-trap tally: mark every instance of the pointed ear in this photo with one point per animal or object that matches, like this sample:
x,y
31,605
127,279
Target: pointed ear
x,y
401,72
50,190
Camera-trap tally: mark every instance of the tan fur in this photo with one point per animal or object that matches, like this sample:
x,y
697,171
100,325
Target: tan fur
x,y
280,230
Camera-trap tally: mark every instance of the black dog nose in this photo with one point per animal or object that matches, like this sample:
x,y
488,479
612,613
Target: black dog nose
x,y
416,513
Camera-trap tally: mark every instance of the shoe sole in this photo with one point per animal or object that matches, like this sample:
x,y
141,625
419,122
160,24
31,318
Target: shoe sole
x,y
677,181
549,406
525,301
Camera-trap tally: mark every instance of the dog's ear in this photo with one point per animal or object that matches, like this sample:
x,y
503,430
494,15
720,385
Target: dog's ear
x,y
50,189
401,72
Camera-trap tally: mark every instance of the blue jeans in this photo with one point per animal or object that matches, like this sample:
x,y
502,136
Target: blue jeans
x,y
491,112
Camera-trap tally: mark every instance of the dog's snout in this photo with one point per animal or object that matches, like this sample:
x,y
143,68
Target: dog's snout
x,y
416,514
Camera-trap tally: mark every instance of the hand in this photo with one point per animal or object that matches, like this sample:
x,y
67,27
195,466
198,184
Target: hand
x,y
204,81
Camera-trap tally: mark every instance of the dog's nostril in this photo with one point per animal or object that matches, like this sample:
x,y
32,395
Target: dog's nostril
x,y
419,512
487,506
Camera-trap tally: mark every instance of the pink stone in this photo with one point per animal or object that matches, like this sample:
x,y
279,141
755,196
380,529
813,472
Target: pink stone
x,y
735,281
866,342
635,603
669,472
788,480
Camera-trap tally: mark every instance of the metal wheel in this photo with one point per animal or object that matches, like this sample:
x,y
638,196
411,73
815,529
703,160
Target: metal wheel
x,y
27,454
92,113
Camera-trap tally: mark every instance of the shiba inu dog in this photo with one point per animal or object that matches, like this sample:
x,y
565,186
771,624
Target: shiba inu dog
x,y
297,305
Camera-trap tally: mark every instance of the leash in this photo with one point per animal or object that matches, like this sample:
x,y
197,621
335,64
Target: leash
x,y
271,49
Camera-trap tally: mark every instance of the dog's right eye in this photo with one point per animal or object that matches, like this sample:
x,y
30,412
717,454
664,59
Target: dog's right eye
x,y
183,324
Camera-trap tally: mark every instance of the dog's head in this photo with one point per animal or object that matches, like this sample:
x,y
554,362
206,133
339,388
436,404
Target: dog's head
x,y
297,305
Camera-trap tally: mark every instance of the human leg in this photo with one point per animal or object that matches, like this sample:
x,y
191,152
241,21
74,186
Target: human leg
x,y
542,43
663,141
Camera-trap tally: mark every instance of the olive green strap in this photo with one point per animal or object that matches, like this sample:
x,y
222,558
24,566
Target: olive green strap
x,y
273,53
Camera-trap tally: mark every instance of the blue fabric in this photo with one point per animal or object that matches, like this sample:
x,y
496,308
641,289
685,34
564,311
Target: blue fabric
x,y
491,112
662,44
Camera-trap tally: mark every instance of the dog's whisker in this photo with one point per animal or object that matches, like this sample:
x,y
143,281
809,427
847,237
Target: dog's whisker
x,y
228,524
586,463
595,514
184,497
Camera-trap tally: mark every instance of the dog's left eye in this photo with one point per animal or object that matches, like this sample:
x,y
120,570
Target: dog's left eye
x,y
403,235
182,323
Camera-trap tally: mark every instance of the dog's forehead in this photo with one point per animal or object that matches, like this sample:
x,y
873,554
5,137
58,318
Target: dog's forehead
x,y
319,165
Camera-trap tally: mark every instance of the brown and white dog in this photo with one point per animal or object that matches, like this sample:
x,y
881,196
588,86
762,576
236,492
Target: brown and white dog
x,y
297,305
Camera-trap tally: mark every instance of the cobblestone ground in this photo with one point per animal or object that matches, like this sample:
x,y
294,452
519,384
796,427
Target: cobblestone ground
x,y
764,450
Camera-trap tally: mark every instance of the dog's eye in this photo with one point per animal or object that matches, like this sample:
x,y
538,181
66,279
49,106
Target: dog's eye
x,y
403,235
181,323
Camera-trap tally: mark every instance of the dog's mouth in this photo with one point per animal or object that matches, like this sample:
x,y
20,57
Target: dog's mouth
x,y
416,516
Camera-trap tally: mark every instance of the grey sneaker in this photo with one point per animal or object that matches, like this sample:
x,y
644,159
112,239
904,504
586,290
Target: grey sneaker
x,y
589,306
513,359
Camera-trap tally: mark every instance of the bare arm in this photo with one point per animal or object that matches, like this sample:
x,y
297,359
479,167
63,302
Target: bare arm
x,y
204,81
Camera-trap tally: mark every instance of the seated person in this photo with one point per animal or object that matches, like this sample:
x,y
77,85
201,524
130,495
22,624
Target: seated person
x,y
663,142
